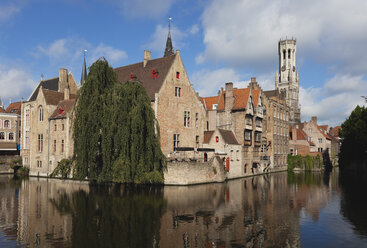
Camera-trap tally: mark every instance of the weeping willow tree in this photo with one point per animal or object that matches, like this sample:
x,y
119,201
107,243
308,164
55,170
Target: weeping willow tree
x,y
116,135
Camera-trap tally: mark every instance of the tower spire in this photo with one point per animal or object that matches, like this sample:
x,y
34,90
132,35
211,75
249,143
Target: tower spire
x,y
84,70
169,49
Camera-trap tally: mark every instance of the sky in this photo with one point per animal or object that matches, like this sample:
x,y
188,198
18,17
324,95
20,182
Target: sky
x,y
219,41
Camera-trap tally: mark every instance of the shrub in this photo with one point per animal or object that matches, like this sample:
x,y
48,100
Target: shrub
x,y
62,169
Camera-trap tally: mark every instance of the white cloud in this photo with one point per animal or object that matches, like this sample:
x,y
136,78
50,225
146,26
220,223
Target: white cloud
x,y
333,103
14,84
6,12
112,55
246,32
194,29
58,49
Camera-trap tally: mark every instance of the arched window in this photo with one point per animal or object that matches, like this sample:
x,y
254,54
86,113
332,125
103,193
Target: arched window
x,y
40,113
2,135
284,52
6,124
289,53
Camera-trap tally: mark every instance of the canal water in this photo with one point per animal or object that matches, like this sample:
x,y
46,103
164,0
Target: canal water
x,y
278,210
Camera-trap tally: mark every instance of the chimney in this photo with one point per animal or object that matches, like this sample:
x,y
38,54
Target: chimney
x,y
63,79
146,57
67,93
314,119
229,99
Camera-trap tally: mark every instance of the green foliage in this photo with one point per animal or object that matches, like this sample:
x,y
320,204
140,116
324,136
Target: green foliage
x,y
62,169
305,163
354,139
22,171
16,163
116,134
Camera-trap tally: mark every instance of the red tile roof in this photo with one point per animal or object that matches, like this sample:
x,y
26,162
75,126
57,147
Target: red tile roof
x,y
325,127
324,132
256,96
303,136
15,107
335,131
240,99
209,101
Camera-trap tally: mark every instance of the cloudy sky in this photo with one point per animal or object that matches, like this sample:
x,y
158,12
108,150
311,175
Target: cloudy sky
x,y
220,41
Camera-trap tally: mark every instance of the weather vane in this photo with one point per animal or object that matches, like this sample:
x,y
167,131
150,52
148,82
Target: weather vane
x,y
169,23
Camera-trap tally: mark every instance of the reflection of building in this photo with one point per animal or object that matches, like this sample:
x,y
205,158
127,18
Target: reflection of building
x,y
10,129
8,208
46,127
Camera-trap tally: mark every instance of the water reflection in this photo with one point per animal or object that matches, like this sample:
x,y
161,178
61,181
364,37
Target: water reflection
x,y
279,210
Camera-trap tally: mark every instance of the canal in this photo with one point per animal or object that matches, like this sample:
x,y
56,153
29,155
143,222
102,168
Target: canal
x,y
277,210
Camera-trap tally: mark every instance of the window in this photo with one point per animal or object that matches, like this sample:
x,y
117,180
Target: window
x,y
177,91
6,124
54,145
237,155
292,152
11,136
27,116
196,119
289,53
39,164
216,139
55,127
319,149
263,148
178,75
62,146
2,136
187,119
247,135
40,142
257,136
258,123
25,160
284,52
176,141
231,155
40,113
197,141
320,140
249,121
62,127
26,139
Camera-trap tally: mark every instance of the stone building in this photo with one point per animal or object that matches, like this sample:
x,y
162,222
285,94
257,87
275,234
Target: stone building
x,y
287,79
299,143
241,111
10,129
177,107
277,128
38,124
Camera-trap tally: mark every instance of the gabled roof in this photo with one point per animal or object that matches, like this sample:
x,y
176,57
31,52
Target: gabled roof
x,y
228,137
54,97
209,101
335,131
207,136
240,99
15,107
301,135
256,96
63,107
144,74
325,127
48,84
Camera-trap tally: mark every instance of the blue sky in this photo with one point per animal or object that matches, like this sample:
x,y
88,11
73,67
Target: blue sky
x,y
220,41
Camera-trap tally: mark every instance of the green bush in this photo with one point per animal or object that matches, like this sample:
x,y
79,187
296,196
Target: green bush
x,y
62,169
306,163
15,163
22,171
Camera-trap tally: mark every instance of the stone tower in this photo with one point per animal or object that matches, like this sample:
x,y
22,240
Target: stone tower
x,y
287,79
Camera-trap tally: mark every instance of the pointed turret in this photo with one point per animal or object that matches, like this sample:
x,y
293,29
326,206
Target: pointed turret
x,y
169,48
84,71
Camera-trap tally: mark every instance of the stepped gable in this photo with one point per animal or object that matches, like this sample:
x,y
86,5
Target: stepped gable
x,y
54,97
240,99
48,84
63,107
228,137
15,107
144,74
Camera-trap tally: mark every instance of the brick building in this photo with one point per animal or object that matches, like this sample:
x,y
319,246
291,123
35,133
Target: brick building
x,y
38,124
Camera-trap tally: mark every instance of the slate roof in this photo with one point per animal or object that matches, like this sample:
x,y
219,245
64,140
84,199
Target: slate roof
x,y
48,84
63,107
228,137
15,107
54,97
144,74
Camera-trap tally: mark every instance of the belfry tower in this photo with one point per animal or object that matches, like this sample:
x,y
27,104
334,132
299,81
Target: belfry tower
x,y
287,79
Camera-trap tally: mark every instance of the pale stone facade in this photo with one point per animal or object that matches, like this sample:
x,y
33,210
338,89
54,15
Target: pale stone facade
x,y
277,128
287,80
37,135
9,133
